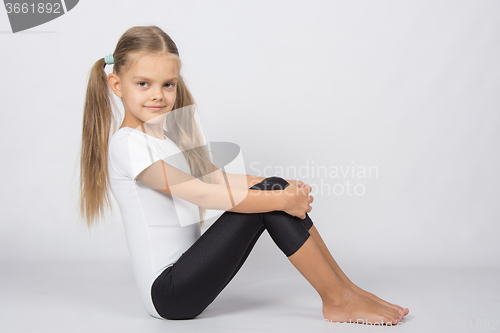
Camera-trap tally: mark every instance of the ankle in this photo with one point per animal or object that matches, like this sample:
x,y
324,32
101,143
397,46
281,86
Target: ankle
x,y
338,297
353,287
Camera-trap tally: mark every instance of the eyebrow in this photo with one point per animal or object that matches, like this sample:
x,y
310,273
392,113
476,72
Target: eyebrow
x,y
145,78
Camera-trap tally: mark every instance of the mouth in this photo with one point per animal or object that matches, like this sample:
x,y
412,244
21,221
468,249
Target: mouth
x,y
154,108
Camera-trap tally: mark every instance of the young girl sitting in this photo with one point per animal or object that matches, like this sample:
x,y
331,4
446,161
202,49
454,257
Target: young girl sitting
x,y
159,171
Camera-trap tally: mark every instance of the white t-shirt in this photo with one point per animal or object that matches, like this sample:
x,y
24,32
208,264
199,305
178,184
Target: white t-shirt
x,y
151,219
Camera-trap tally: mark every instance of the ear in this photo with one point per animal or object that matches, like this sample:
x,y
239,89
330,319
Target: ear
x,y
114,84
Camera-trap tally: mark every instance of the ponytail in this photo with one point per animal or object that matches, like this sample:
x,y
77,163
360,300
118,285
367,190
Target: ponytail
x,y
97,121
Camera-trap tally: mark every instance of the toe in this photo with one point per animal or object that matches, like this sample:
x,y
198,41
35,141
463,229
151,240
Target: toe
x,y
388,320
401,309
395,321
394,318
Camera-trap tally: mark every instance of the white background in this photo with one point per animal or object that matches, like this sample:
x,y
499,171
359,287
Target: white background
x,y
410,87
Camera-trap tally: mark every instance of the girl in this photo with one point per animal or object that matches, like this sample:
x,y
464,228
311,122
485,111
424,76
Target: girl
x,y
159,170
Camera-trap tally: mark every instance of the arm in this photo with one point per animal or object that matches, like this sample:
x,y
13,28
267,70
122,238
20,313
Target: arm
x,y
247,201
168,179
298,183
246,181
238,180
294,199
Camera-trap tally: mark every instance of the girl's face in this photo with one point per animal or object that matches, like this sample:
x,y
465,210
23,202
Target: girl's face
x,y
147,89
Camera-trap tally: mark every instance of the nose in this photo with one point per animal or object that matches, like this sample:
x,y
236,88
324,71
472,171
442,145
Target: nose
x,y
156,93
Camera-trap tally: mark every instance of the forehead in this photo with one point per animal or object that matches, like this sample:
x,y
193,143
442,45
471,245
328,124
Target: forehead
x,y
154,66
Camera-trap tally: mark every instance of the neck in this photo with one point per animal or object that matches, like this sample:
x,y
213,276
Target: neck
x,y
154,128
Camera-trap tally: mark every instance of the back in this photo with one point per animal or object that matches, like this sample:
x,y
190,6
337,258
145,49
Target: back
x,y
155,238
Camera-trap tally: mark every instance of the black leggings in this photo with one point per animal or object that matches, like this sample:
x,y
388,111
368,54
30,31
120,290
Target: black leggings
x,y
185,289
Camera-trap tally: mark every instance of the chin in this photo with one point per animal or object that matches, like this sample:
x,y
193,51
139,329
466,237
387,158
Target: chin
x,y
156,119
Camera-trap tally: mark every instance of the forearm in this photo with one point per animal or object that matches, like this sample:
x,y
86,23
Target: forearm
x,y
252,180
242,200
237,180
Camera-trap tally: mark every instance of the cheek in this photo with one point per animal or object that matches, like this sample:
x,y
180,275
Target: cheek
x,y
135,97
134,101
170,97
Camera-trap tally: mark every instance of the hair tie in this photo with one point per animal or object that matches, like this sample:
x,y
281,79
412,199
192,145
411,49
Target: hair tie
x,y
109,59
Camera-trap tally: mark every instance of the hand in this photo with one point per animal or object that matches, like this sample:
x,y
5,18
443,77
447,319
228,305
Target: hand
x,y
298,200
298,183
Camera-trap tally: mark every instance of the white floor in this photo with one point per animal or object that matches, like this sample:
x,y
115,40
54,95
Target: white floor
x,y
93,297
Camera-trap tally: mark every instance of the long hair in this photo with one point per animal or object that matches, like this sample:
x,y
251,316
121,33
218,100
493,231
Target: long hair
x,y
99,121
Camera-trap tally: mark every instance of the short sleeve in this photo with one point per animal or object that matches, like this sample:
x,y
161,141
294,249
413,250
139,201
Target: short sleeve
x,y
131,153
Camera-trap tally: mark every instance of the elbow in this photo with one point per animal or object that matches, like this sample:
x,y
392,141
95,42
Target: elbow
x,y
215,196
203,197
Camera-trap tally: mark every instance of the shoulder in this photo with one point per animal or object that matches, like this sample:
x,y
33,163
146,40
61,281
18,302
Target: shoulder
x,y
128,138
119,142
131,151
126,144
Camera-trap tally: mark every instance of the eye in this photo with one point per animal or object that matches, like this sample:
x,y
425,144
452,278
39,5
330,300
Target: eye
x,y
170,84
141,84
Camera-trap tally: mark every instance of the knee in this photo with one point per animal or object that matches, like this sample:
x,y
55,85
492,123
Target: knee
x,y
271,183
181,314
181,317
277,180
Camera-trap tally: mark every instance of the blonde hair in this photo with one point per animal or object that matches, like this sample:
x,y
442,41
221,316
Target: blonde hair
x,y
98,120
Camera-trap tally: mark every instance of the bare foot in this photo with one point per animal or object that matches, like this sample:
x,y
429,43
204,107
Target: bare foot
x,y
362,292
356,308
